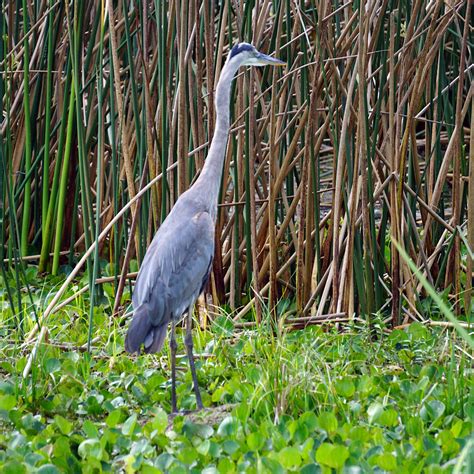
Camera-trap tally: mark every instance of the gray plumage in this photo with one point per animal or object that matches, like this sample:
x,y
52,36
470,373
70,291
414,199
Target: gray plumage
x,y
173,273
178,262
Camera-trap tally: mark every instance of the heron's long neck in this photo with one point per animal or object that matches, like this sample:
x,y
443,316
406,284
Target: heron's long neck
x,y
210,179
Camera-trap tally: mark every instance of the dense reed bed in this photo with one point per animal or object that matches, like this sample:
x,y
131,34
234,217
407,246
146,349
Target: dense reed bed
x,y
361,142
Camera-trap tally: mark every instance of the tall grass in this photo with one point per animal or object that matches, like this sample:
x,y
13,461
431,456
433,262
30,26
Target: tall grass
x,y
364,139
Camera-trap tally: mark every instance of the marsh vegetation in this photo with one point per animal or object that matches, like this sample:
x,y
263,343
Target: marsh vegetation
x,y
335,331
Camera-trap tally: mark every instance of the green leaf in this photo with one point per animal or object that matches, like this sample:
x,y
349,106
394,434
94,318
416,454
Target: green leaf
x,y
230,446
432,410
360,433
52,365
148,469
310,469
332,455
310,420
272,466
13,467
90,448
203,448
290,457
328,422
129,426
187,455
61,448
48,469
90,429
228,426
389,417
7,402
387,461
374,411
225,466
255,441
414,426
345,387
447,442
113,418
64,425
307,449
160,420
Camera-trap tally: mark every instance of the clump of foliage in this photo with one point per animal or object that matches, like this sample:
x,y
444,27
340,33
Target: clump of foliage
x,y
313,400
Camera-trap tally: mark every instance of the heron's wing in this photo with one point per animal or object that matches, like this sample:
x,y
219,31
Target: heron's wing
x,y
176,266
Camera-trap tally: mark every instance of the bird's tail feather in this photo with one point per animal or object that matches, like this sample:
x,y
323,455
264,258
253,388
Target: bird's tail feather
x,y
141,331
159,334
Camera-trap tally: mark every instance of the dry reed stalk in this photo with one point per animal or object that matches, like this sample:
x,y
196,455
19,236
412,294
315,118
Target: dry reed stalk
x,y
361,141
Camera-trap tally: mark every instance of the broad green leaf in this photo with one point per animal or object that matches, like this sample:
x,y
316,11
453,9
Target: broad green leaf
x,y
129,425
290,457
203,448
7,402
225,466
310,469
90,429
255,441
52,365
228,426
113,418
414,426
230,446
61,448
447,442
328,422
149,469
332,455
160,420
187,455
90,448
345,387
13,467
387,461
48,469
310,419
272,466
374,411
389,417
64,425
432,410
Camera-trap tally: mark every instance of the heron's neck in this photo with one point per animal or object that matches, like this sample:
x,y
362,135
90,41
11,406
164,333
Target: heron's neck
x,y
211,174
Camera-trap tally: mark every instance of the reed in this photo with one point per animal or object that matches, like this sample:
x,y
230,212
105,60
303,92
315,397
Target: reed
x,y
363,140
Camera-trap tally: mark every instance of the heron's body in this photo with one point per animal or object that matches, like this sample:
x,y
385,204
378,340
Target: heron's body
x,y
173,273
178,262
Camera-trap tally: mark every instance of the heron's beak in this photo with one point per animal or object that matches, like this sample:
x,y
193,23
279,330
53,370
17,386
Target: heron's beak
x,y
263,60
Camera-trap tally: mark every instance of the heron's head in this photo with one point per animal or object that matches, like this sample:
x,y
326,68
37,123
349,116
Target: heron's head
x,y
248,55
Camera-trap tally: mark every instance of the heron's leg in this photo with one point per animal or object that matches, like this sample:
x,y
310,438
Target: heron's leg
x,y
188,341
173,348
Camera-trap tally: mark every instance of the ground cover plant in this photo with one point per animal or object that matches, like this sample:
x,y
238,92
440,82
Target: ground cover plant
x,y
320,399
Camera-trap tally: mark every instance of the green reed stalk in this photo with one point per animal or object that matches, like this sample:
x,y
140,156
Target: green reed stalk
x,y
47,119
25,226
63,183
98,201
52,203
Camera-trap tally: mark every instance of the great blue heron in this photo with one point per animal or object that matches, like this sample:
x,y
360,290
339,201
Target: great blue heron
x,y
178,262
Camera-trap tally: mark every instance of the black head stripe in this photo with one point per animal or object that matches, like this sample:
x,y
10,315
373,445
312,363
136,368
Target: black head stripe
x,y
239,48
